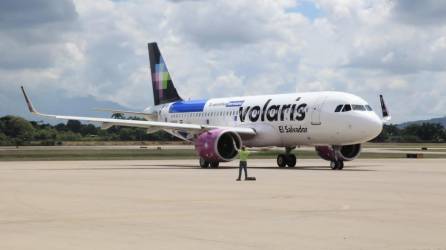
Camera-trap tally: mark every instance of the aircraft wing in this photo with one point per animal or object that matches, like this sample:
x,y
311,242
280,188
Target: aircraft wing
x,y
108,122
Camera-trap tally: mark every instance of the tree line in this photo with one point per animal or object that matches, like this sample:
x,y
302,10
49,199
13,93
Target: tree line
x,y
424,132
15,130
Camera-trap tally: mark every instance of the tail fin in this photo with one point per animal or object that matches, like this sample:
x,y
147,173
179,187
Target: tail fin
x,y
386,115
163,89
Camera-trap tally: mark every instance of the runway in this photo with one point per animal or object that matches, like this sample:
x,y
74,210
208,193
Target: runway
x,y
172,204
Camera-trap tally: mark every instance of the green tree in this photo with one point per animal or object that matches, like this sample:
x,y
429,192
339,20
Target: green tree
x,y
74,126
17,128
118,116
127,134
2,125
45,134
89,129
4,140
68,136
61,127
388,133
432,132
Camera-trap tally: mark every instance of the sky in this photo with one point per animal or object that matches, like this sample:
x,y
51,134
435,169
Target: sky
x,y
75,55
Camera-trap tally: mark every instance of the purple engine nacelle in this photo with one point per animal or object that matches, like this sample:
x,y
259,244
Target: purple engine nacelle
x,y
346,153
218,145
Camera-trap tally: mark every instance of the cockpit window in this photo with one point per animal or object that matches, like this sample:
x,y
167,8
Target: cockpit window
x,y
368,107
347,107
338,108
358,107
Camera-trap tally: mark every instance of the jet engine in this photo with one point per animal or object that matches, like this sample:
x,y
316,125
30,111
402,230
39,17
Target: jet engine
x,y
344,153
218,145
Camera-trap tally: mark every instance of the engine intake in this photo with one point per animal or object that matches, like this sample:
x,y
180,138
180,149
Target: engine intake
x,y
218,145
345,153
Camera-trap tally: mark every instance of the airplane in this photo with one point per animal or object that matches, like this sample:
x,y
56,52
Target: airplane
x,y
335,123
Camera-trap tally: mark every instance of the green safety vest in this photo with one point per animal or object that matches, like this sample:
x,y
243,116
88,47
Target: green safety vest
x,y
243,154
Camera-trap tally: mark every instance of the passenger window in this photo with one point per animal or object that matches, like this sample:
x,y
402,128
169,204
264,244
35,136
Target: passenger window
x,y
338,108
347,108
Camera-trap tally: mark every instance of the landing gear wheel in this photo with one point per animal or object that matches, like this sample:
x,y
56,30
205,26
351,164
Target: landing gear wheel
x,y
337,165
204,163
341,165
291,160
281,160
214,164
333,165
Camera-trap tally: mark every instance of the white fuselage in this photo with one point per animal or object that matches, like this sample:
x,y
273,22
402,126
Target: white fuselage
x,y
282,120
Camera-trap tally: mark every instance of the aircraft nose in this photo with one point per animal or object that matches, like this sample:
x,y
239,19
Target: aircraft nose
x,y
374,125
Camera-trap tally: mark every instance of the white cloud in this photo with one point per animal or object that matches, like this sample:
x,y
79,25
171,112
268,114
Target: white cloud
x,y
241,47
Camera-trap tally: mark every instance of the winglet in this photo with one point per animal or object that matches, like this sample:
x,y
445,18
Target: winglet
x,y
386,115
28,102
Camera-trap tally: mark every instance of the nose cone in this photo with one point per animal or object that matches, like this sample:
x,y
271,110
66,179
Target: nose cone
x,y
374,125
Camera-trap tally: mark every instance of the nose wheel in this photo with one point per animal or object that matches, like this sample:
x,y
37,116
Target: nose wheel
x,y
337,165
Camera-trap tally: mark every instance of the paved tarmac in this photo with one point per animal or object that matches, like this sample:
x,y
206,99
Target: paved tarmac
x,y
371,204
380,150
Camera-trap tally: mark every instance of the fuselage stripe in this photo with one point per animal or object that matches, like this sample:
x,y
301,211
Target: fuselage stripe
x,y
187,106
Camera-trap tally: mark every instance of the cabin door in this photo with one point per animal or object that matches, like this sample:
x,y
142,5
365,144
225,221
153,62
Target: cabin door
x,y
316,110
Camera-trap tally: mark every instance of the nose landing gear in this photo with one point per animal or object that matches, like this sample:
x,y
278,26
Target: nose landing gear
x,y
287,159
337,165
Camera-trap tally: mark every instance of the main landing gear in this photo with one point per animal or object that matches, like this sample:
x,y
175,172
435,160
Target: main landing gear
x,y
208,164
287,159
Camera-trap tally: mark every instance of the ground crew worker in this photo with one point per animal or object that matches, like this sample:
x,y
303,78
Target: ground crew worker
x,y
243,154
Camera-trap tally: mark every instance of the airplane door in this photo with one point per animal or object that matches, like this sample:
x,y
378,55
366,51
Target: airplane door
x,y
316,111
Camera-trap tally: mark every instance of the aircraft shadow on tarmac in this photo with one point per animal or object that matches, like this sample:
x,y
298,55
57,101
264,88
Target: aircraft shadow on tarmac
x,y
193,167
176,166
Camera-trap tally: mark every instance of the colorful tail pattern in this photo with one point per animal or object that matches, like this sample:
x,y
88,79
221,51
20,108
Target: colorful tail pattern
x,y
163,89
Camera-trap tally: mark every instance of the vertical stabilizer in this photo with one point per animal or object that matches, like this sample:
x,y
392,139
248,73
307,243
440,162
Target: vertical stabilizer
x,y
385,111
163,89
